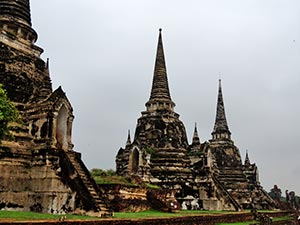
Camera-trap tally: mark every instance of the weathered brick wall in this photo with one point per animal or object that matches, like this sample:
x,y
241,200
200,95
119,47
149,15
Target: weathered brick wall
x,y
31,183
123,198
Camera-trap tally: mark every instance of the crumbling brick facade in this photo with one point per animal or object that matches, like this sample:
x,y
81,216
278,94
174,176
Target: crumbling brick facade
x,y
39,169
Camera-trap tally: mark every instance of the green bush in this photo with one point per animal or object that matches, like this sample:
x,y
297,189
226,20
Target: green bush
x,y
8,113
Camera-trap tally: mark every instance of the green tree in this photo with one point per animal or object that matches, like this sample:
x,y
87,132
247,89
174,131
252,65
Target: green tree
x,y
97,172
102,173
8,113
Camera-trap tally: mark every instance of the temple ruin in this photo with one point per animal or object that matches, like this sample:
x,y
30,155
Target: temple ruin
x,y
212,172
40,171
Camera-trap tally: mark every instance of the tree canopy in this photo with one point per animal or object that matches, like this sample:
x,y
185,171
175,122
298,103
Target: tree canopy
x,y
8,113
102,173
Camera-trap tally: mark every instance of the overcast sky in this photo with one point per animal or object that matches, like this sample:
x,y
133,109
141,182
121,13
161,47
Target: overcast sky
x,y
103,52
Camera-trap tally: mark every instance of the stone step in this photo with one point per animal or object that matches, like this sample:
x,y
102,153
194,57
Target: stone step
x,y
100,202
234,188
165,170
182,163
103,208
168,164
232,178
173,154
231,175
93,192
81,174
231,172
88,183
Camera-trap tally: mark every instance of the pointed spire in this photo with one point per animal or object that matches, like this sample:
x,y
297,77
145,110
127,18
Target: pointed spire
x,y
160,95
221,130
247,160
160,87
128,139
196,139
47,64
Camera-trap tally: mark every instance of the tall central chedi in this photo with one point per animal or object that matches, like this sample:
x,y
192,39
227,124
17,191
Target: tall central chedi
x,y
158,151
39,169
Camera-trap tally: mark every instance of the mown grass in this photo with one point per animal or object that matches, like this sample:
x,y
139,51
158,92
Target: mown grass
x,y
282,218
154,214
25,216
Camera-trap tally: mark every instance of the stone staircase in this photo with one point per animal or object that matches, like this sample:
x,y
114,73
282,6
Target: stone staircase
x,y
170,167
226,194
97,198
235,182
230,177
170,161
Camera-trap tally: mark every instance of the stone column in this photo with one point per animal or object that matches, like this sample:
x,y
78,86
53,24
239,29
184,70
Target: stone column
x,y
69,132
54,128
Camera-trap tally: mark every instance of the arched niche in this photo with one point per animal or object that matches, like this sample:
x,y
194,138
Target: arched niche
x,y
62,128
135,157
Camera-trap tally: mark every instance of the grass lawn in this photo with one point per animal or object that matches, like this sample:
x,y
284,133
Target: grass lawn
x,y
25,216
282,218
154,213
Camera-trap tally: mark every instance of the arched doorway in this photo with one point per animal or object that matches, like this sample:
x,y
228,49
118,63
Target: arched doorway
x,y
61,128
135,160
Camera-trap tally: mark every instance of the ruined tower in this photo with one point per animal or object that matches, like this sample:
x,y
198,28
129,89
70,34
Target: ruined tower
x,y
39,169
158,151
211,172
221,140
238,183
221,130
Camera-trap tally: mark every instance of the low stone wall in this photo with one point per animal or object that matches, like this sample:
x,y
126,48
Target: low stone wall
x,y
281,222
273,215
124,198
